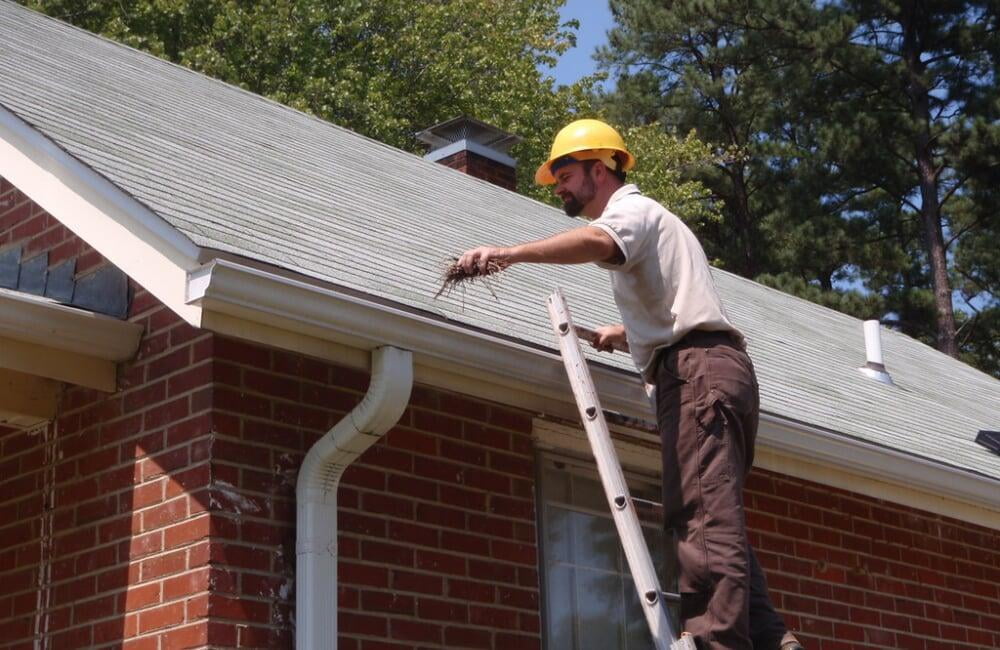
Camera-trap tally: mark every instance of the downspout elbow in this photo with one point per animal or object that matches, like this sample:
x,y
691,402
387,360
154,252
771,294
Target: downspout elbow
x,y
316,494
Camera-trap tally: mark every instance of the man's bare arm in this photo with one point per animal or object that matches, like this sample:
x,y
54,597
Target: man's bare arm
x,y
577,246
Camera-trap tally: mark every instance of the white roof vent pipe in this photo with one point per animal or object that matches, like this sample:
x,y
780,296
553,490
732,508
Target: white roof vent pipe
x,y
875,366
316,494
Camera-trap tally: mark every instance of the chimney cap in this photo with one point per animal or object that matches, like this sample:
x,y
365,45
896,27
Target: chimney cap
x,y
464,127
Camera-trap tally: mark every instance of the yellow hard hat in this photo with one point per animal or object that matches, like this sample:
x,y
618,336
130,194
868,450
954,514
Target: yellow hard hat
x,y
585,140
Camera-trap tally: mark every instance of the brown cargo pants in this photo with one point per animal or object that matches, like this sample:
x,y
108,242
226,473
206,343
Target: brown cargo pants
x,y
707,407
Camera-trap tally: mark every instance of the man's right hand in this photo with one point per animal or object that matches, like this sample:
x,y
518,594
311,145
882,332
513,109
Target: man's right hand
x,y
609,337
476,260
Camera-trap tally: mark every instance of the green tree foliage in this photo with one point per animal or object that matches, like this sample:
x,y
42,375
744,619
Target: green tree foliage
x,y
383,68
912,126
856,144
715,68
665,165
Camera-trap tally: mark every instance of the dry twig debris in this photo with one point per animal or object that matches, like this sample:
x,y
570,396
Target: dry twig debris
x,y
456,276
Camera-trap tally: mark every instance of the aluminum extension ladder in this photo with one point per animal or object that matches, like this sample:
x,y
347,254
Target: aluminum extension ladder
x,y
613,480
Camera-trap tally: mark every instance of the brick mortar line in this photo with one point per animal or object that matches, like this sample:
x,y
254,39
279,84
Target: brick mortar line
x,y
884,505
448,599
442,526
863,590
124,590
862,555
8,209
119,492
361,636
448,576
889,577
878,611
529,521
899,545
123,564
463,419
482,558
445,550
439,481
474,445
132,438
894,633
95,428
442,622
885,526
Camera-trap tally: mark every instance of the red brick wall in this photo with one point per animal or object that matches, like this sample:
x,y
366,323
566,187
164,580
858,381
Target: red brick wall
x,y
482,167
438,531
856,572
104,515
162,516
23,222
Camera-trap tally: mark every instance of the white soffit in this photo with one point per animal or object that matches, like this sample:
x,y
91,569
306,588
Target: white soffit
x,y
44,338
26,400
117,226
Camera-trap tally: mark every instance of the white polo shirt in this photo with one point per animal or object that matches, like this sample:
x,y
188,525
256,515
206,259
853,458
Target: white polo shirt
x,y
664,288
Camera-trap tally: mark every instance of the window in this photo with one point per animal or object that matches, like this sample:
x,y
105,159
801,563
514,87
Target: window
x,y
590,601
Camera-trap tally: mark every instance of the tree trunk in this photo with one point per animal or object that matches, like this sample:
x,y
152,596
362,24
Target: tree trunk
x,y
750,266
930,207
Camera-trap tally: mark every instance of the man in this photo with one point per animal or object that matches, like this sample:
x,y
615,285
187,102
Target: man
x,y
683,343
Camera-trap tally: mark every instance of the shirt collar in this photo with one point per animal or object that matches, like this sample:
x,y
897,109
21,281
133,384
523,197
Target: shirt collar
x,y
622,192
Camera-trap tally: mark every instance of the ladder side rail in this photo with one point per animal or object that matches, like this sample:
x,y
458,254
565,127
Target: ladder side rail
x,y
613,480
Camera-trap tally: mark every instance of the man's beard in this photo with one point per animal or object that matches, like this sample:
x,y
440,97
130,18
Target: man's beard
x,y
573,206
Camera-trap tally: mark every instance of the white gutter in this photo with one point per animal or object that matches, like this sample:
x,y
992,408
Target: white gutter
x,y
39,320
224,287
316,494
41,337
880,463
262,297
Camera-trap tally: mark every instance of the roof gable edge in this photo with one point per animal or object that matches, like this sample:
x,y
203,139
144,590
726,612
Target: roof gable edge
x,y
126,232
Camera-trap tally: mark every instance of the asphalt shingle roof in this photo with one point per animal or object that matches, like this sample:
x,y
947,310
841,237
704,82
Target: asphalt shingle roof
x,y
239,173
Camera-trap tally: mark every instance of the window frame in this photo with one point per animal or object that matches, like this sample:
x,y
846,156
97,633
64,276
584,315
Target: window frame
x,y
576,463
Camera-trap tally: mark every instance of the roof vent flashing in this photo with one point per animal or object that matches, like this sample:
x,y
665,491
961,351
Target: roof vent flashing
x,y
875,365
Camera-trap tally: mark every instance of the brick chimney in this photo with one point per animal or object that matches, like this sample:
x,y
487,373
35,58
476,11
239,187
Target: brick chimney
x,y
473,147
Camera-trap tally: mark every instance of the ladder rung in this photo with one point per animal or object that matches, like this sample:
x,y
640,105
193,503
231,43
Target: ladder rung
x,y
647,502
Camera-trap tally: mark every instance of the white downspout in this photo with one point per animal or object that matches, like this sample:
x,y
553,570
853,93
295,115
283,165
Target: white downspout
x,y
316,494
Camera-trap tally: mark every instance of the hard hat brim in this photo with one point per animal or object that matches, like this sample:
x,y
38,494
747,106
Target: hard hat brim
x,y
544,176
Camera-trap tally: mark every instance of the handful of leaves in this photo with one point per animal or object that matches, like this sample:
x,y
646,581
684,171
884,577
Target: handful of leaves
x,y
456,276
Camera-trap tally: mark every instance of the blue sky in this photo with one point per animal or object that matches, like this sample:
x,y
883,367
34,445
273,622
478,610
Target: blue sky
x,y
595,20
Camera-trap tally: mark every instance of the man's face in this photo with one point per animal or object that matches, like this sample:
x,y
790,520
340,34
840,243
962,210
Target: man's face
x,y
575,187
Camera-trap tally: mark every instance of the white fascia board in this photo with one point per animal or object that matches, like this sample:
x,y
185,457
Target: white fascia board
x,y
123,230
44,322
796,439
282,303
